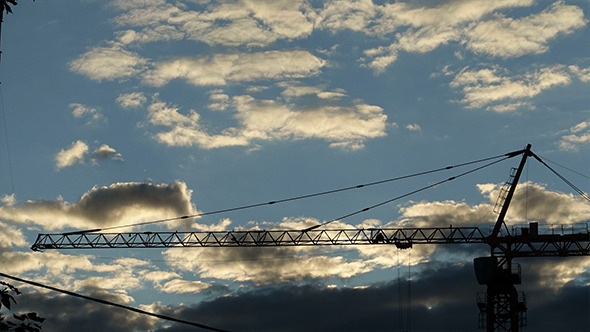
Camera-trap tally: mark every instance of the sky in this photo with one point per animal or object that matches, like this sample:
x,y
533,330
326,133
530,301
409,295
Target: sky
x,y
125,111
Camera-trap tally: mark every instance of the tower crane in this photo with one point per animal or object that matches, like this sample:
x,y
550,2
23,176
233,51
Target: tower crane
x,y
502,307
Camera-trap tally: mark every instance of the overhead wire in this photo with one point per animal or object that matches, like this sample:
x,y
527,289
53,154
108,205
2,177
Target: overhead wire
x,y
243,207
105,302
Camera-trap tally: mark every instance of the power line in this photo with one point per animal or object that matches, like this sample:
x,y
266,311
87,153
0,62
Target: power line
x,y
201,214
105,302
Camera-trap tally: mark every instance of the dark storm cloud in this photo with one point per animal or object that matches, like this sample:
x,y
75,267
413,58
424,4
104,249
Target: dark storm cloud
x,y
565,310
443,298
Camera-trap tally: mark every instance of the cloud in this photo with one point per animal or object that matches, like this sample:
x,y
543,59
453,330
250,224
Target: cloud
x,y
219,100
342,126
556,274
108,63
118,204
294,89
81,110
414,127
56,268
534,202
351,15
345,126
184,286
477,26
262,267
221,69
445,213
186,129
76,154
241,23
577,136
11,236
507,37
131,100
494,85
105,152
442,299
474,25
583,74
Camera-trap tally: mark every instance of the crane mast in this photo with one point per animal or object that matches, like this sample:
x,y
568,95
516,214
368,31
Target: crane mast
x,y
502,307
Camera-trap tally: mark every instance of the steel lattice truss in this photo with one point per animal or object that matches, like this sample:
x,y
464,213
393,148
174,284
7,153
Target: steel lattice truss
x,y
515,246
260,238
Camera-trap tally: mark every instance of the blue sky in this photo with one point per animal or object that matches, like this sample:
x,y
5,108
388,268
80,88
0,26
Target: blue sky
x,y
124,111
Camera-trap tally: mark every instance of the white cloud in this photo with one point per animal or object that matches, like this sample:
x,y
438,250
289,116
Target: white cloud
x,y
486,86
342,126
343,14
10,236
348,125
445,213
241,67
272,265
81,110
186,130
556,274
184,286
219,100
9,200
124,279
105,152
534,202
476,25
576,137
131,100
583,74
158,276
414,127
76,154
117,204
294,89
507,37
53,263
423,29
108,63
240,23
511,107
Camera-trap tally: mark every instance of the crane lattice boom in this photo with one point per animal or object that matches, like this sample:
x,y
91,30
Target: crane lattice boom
x,y
524,245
